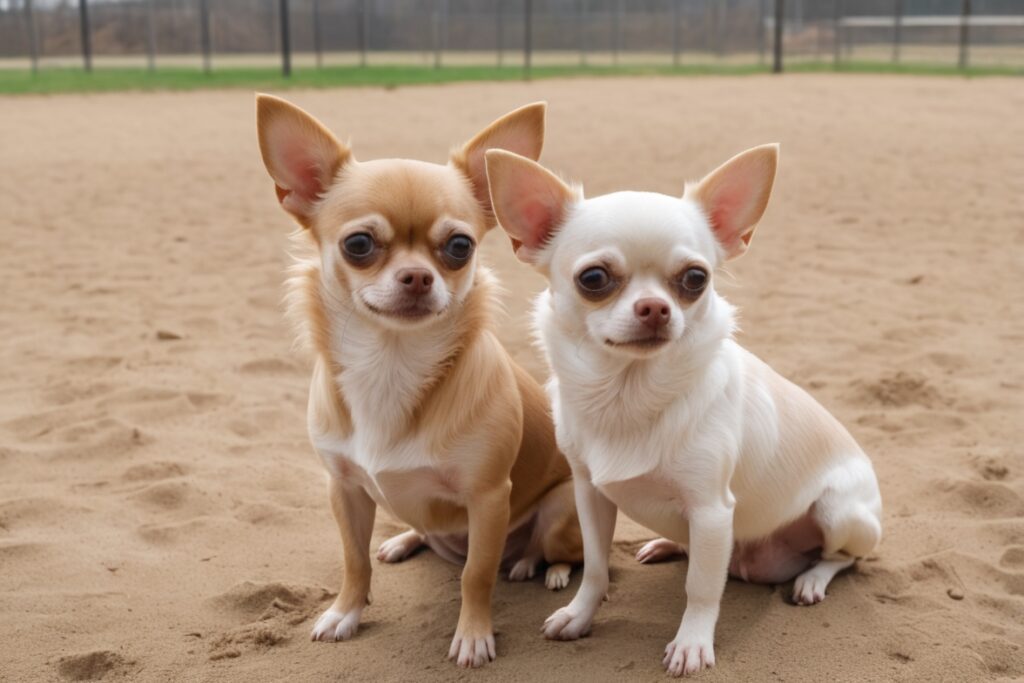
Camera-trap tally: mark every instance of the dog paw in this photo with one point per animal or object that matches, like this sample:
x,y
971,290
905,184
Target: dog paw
x,y
557,576
658,550
523,570
399,547
334,625
472,649
568,623
809,588
685,656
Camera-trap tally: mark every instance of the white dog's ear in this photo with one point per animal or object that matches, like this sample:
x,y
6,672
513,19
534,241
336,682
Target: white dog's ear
x,y
300,154
529,201
520,131
734,196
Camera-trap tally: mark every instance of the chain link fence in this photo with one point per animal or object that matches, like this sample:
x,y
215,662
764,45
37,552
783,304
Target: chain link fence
x,y
211,33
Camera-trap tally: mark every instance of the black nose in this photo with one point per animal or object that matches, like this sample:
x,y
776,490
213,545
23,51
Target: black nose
x,y
652,312
415,281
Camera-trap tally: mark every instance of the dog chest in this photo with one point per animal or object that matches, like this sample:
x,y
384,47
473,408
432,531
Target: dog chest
x,y
404,479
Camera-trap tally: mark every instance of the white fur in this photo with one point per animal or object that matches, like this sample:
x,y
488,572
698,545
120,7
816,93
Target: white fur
x,y
688,439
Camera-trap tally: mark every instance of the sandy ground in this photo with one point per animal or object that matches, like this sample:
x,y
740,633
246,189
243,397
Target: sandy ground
x,y
162,516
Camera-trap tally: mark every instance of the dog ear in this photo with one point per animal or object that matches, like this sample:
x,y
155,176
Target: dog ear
x,y
300,154
520,131
735,194
529,201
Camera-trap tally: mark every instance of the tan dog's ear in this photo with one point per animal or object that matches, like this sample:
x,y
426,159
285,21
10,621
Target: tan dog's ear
x,y
734,196
520,131
300,154
529,201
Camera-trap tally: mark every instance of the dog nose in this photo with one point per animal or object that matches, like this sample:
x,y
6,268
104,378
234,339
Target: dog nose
x,y
652,312
415,280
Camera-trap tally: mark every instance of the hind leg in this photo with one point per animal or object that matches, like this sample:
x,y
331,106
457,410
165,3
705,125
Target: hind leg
x,y
659,550
809,588
849,516
399,547
560,538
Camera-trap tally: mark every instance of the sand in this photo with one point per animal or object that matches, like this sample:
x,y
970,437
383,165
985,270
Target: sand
x,y
162,516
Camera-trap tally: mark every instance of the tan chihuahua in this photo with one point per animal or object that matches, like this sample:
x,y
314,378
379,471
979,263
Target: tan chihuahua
x,y
414,404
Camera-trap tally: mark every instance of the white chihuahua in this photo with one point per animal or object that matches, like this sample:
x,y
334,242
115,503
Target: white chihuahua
x,y
662,413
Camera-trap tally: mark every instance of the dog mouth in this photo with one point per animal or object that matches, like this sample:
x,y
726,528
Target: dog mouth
x,y
412,312
642,344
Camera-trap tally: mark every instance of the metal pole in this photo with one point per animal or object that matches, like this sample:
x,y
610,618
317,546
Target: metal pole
x,y
83,21
583,32
897,29
675,33
318,47
286,42
527,37
761,28
616,31
435,36
364,30
499,32
443,27
719,20
780,15
965,38
151,35
204,33
837,31
33,38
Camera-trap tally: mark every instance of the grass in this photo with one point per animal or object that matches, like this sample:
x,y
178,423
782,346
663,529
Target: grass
x,y
62,80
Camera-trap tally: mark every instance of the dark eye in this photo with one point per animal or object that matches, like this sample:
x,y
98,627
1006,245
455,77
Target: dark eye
x,y
358,247
594,281
457,251
693,281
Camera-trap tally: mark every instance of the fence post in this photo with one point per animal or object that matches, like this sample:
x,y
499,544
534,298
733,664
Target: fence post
x,y
318,47
780,15
33,38
83,21
499,32
435,34
204,33
527,37
364,30
582,28
760,31
718,20
897,30
151,35
616,31
965,17
837,33
286,42
675,33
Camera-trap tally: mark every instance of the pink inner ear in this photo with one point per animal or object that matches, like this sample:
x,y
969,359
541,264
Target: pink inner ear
x,y
303,173
538,219
724,213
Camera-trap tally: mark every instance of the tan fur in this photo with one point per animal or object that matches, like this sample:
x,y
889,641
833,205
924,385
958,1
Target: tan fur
x,y
474,394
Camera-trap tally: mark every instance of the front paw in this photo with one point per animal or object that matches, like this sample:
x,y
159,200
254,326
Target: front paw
x,y
568,623
472,647
334,625
687,655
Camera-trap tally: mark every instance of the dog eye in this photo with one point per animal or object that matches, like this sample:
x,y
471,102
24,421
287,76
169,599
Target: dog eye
x,y
693,281
595,280
358,247
456,251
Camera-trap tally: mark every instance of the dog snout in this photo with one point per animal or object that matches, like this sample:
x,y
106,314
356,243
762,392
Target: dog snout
x,y
652,312
415,281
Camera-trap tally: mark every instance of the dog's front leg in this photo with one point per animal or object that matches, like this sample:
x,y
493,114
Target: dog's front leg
x,y
488,511
597,521
710,548
354,511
